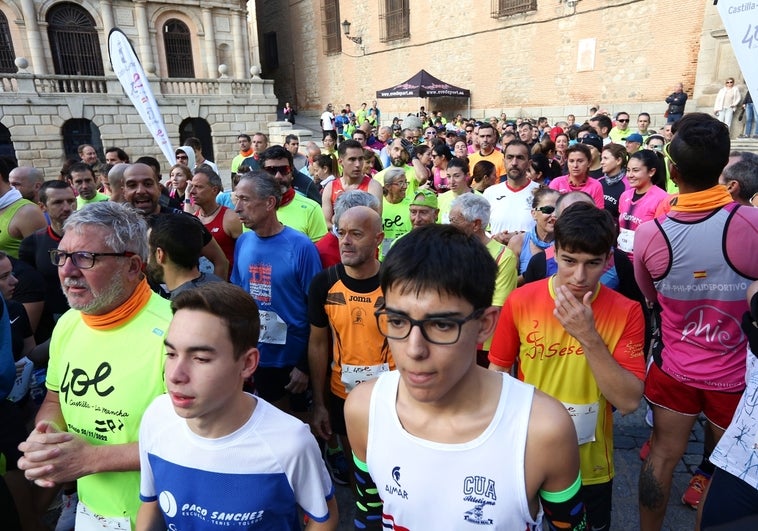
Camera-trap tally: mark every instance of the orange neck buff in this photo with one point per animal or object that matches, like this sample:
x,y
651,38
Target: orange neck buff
x,y
123,313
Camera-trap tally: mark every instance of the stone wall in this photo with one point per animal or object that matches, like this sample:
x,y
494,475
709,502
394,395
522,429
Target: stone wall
x,y
525,65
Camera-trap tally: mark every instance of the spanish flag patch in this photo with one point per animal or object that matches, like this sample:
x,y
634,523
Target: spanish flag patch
x,y
699,274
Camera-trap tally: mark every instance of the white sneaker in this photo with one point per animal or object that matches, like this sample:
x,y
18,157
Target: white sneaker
x,y
67,519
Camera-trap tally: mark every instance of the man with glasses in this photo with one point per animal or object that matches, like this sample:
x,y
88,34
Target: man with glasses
x,y
580,342
621,129
443,413
301,211
275,264
106,366
727,99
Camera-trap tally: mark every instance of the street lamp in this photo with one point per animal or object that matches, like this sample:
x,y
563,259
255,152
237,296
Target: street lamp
x,y
346,31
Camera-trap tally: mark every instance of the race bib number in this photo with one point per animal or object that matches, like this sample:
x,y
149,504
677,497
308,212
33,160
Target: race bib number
x,y
352,375
584,417
273,329
87,520
626,240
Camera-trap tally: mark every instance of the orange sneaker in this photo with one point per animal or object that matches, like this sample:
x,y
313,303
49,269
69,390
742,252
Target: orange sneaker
x,y
696,488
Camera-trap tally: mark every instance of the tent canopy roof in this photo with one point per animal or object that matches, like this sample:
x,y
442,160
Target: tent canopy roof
x,y
423,85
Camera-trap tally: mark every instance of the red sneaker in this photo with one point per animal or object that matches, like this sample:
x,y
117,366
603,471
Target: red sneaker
x,y
695,489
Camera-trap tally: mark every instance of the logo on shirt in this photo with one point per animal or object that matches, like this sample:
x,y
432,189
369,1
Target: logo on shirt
x,y
358,316
172,508
168,503
397,489
480,491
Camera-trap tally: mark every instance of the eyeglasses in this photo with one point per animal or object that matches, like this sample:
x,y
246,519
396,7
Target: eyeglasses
x,y
623,120
181,157
81,259
429,133
667,154
547,209
730,82
273,170
436,330
401,184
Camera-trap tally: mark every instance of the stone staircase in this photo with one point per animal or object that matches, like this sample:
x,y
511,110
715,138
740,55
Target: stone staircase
x,y
745,144
307,128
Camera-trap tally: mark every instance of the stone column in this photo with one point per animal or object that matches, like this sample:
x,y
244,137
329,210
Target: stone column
x,y
145,50
238,49
39,66
211,60
252,36
106,9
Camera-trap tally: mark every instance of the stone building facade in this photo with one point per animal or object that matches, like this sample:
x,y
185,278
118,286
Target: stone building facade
x,y
58,90
527,58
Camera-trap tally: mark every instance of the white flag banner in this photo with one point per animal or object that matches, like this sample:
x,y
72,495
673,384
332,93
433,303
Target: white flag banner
x,y
132,76
741,22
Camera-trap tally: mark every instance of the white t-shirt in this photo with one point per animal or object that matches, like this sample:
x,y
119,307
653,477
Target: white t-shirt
x,y
327,121
257,476
511,210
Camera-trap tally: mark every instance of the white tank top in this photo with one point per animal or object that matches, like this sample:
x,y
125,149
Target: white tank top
x,y
474,485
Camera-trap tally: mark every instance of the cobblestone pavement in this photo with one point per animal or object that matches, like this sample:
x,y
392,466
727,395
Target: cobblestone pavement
x,y
630,433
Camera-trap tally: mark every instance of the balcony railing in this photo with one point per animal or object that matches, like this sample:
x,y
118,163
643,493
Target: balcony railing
x,y
24,83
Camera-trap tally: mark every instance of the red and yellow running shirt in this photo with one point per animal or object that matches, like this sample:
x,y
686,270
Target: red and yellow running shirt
x,y
553,361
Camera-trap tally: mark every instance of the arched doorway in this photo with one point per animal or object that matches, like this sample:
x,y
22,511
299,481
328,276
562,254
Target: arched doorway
x,y
7,151
200,129
78,131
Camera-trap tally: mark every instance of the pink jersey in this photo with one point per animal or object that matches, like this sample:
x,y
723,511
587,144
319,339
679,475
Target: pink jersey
x,y
698,265
591,187
633,213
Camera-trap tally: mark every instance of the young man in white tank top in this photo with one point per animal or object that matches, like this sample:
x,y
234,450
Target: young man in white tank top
x,y
442,441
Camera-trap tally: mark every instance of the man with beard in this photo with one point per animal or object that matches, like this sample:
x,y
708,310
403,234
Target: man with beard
x,y
83,181
175,245
142,191
275,264
400,155
487,149
296,210
58,202
351,159
511,201
106,366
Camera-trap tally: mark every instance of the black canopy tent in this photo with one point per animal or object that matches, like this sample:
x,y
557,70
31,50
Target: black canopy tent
x,y
425,85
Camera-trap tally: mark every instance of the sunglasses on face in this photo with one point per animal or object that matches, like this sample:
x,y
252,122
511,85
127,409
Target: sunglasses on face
x,y
547,209
273,170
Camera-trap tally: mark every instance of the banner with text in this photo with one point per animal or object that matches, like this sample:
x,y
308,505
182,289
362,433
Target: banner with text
x,y
741,22
130,73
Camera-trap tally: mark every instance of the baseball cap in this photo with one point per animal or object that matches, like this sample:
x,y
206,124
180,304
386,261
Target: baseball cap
x,y
634,137
425,198
592,140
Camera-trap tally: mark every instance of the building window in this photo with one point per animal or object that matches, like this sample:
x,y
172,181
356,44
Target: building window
x,y
7,55
74,41
395,19
78,131
178,44
330,14
504,8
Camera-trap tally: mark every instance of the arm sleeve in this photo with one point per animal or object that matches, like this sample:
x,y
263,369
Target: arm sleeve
x,y
368,504
565,510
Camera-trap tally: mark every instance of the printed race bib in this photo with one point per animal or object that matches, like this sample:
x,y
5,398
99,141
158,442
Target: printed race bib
x,y
273,329
584,417
626,240
352,375
86,520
